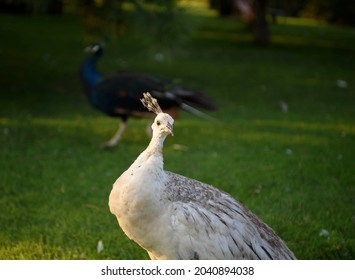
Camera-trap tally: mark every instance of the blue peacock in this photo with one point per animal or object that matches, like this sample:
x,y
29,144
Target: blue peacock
x,y
118,94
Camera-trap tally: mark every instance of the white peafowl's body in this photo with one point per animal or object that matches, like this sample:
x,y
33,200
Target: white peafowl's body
x,y
174,217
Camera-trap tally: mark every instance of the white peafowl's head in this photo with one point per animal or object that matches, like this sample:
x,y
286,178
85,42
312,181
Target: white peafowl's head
x,y
163,123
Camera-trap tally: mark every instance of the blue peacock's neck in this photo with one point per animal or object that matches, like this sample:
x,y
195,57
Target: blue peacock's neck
x,y
90,77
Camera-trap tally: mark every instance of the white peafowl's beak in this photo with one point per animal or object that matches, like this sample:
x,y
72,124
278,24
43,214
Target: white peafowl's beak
x,y
170,128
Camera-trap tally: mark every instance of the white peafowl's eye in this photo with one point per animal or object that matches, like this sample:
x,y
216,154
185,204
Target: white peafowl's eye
x,y
158,123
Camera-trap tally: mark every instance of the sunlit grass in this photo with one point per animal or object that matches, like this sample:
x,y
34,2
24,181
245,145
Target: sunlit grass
x,y
307,22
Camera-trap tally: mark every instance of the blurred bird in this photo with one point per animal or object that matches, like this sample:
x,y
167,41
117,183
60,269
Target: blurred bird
x,y
118,94
175,217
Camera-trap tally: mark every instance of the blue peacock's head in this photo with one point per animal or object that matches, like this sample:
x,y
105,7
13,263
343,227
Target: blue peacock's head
x,y
95,49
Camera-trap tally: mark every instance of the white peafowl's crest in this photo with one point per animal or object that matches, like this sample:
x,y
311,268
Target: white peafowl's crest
x,y
151,103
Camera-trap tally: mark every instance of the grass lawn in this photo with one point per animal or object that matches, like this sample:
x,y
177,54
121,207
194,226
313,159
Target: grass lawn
x,y
293,169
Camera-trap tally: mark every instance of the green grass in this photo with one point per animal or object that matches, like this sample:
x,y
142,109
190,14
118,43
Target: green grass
x,y
295,170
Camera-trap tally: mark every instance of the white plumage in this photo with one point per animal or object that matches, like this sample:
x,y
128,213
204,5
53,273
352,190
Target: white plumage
x,y
174,217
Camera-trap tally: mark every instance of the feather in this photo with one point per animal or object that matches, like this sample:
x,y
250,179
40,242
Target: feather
x,y
151,103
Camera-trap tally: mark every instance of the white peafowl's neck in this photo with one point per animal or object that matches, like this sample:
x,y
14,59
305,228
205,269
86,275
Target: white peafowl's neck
x,y
152,156
156,144
154,152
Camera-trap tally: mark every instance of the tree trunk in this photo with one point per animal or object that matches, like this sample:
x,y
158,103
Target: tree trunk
x,y
260,26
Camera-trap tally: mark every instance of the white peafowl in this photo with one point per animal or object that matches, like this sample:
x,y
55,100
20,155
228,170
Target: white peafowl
x,y
175,217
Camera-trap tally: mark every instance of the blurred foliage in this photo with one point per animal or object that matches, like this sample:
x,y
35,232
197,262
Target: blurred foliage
x,y
333,11
156,22
32,6
290,8
161,21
